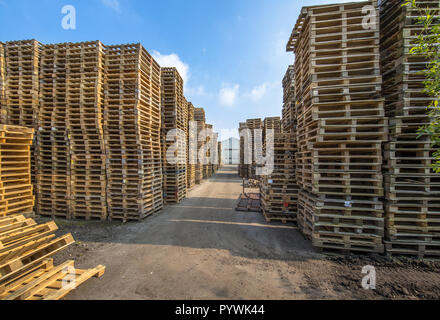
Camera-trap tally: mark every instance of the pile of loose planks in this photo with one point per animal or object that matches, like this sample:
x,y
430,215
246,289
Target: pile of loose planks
x,y
27,271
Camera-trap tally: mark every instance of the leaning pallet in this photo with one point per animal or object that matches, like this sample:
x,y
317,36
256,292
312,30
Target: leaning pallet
x,y
26,266
174,117
340,128
84,101
52,150
16,189
411,187
132,125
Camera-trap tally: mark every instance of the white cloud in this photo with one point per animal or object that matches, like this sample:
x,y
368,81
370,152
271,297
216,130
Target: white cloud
x,y
228,95
258,92
173,60
112,4
199,91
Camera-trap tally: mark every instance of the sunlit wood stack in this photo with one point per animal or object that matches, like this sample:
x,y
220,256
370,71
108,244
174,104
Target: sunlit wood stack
x,y
289,100
3,112
199,117
412,188
132,131
341,127
192,145
85,105
15,170
21,87
27,270
174,117
53,150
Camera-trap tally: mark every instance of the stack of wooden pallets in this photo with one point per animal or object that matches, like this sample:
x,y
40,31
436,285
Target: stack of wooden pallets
x,y
52,150
21,88
412,188
16,189
3,112
219,153
242,168
253,125
174,117
85,103
132,125
341,126
191,151
214,156
207,168
22,85
289,100
273,123
199,118
279,192
27,271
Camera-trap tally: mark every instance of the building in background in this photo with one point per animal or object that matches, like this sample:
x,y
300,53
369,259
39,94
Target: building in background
x,y
231,151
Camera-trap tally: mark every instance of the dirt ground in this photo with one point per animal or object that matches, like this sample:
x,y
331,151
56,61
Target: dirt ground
x,y
204,249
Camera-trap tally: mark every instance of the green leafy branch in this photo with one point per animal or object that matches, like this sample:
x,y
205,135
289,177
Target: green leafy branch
x,y
427,44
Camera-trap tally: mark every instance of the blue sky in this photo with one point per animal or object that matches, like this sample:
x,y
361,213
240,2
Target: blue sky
x,y
231,53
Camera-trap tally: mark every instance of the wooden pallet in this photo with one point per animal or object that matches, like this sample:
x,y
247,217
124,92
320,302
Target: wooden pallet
x,y
22,87
253,125
249,203
411,188
174,109
49,282
413,249
191,145
53,153
134,169
21,90
340,127
278,190
3,107
283,218
16,189
85,67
